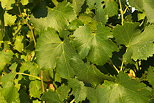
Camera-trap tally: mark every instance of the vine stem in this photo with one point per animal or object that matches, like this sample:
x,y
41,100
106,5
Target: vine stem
x,y
30,75
121,12
30,27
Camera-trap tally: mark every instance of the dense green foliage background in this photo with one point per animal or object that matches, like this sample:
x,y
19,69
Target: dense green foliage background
x,y
76,51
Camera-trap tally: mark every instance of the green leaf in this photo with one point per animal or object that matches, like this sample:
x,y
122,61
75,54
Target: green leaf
x,y
148,6
35,89
111,8
139,45
94,44
29,68
7,4
63,92
77,5
6,56
18,44
52,52
124,90
51,97
7,20
57,18
56,96
24,2
102,14
78,88
2,98
150,76
8,90
138,4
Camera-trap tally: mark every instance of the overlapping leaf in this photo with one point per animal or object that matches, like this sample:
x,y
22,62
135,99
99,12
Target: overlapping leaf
x,y
148,6
57,96
124,90
96,46
79,90
104,9
54,53
139,45
57,18
77,5
8,89
6,56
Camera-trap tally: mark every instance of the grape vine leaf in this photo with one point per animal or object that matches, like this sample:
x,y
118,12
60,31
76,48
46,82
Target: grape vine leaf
x,y
104,9
8,90
57,18
7,4
139,45
56,96
7,20
138,4
150,76
148,6
6,56
52,53
96,46
77,5
24,2
18,44
78,89
35,89
51,97
124,90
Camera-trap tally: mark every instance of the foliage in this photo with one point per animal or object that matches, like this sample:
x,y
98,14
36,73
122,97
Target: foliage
x,y
76,51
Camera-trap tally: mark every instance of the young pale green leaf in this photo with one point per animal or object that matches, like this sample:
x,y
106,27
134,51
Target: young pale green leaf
x,y
124,90
6,56
57,18
24,2
139,45
2,98
18,44
148,6
7,20
30,68
7,4
78,88
35,89
95,45
8,90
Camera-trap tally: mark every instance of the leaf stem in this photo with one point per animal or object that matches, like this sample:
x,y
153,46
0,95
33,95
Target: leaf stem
x,y
30,75
114,66
121,67
42,83
72,101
